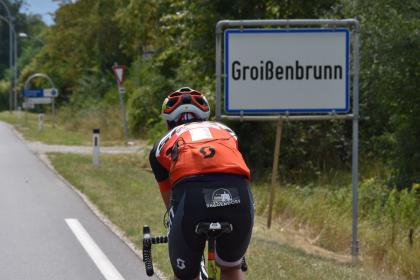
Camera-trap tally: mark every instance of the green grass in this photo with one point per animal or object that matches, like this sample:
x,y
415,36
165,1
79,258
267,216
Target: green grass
x,y
324,213
27,124
273,260
65,132
129,196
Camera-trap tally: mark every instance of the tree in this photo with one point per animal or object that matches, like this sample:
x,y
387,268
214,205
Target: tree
x,y
390,72
29,24
83,44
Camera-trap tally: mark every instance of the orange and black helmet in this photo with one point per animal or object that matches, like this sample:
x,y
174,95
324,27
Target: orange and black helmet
x,y
183,106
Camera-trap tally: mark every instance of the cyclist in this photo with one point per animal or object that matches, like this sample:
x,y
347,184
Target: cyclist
x,y
202,177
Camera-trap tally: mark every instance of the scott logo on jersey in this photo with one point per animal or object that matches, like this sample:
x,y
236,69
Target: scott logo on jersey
x,y
207,151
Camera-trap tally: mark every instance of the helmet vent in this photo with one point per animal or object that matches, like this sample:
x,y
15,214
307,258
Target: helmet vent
x,y
185,89
186,99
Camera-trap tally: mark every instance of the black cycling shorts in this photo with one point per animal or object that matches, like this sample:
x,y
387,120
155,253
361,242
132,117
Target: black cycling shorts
x,y
209,198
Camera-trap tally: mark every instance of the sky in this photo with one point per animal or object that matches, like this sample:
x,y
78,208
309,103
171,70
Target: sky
x,y
41,7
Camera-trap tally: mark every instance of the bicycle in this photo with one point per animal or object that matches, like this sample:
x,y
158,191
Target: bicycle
x,y
210,230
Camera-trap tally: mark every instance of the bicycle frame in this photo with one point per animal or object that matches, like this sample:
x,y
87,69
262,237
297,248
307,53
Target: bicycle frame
x,y
212,270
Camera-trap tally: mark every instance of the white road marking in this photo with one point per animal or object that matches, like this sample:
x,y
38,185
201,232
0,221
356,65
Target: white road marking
x,y
102,262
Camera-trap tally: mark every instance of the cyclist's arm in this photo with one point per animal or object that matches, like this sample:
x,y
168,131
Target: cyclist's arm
x,y
162,177
166,194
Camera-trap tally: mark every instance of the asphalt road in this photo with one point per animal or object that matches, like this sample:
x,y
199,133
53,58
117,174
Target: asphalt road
x,y
47,231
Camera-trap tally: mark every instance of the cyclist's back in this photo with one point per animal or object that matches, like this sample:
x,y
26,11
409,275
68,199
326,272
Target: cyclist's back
x,y
202,177
200,148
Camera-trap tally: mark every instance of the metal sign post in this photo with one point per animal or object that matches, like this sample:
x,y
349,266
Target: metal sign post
x,y
355,144
53,112
120,76
121,91
40,96
301,73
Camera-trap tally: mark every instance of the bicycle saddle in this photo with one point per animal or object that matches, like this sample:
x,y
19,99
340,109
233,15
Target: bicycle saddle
x,y
213,229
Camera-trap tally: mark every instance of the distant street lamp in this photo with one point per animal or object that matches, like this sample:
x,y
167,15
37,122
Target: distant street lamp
x,y
24,35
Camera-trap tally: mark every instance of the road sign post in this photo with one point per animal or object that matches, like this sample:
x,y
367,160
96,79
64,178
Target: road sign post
x,y
120,76
301,75
40,95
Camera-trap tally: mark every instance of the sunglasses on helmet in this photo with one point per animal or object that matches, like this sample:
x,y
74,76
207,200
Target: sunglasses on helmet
x,y
177,98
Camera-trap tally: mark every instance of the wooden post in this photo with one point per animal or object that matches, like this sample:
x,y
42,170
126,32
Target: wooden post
x,y
275,169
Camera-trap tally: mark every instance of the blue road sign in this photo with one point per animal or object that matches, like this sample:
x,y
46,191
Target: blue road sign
x,y
39,92
50,92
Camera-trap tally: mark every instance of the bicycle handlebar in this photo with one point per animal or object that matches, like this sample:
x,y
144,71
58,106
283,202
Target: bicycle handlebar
x,y
244,266
147,251
159,239
148,240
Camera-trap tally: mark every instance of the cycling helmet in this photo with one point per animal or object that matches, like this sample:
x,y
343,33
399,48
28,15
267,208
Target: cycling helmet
x,y
183,106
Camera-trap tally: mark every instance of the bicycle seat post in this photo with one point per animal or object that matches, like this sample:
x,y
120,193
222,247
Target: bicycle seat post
x,y
212,231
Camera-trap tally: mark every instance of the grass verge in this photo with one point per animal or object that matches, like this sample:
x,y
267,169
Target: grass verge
x,y
27,124
127,193
65,132
389,221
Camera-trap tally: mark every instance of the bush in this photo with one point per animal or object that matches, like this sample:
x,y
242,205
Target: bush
x,y
149,89
389,220
4,95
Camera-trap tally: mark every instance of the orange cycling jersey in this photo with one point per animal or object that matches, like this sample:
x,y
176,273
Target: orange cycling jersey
x,y
199,148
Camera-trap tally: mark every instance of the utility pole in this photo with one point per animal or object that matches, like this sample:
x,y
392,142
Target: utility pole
x,y
9,21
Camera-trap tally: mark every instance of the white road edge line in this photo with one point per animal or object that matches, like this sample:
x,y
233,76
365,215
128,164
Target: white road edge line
x,y
104,265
